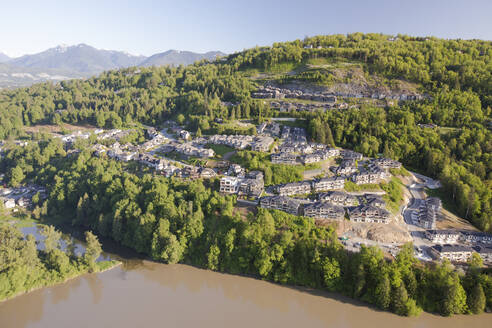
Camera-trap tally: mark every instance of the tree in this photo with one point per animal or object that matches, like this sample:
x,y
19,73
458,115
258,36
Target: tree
x,y
399,300
476,300
93,249
329,136
213,257
383,293
51,238
16,176
199,132
331,274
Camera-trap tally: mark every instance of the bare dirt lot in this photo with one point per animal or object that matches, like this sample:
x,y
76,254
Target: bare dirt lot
x,y
448,220
52,128
383,233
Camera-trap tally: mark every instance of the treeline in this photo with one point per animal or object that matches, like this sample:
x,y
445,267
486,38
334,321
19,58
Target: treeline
x,y
459,157
24,268
432,62
175,220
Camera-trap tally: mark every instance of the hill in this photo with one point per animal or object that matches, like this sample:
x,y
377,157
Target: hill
x,y
177,57
82,59
453,79
4,58
68,62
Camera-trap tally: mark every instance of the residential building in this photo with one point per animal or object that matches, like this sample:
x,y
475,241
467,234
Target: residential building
x,y
282,203
294,188
262,143
235,169
311,158
238,142
454,253
324,210
328,184
338,198
428,213
349,154
368,213
8,203
229,185
283,158
207,173
387,163
183,134
443,236
375,200
485,253
476,237
366,178
257,175
250,187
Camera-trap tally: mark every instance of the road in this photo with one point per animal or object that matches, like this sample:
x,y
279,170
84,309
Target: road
x,y
417,192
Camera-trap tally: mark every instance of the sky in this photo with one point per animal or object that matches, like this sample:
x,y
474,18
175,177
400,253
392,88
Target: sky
x,y
146,27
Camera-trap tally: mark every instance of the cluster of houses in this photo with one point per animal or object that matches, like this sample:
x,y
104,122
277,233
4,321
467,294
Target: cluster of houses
x,y
368,172
306,187
332,206
250,185
285,107
455,236
256,143
269,129
279,93
428,213
461,253
21,197
190,149
271,92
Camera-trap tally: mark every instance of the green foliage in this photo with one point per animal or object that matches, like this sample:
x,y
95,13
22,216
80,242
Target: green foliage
x,y
24,268
92,250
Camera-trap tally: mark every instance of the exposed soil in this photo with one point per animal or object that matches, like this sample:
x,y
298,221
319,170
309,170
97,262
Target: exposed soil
x,y
383,233
52,128
448,220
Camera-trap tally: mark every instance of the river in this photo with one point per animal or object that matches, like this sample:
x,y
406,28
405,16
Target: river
x,y
142,293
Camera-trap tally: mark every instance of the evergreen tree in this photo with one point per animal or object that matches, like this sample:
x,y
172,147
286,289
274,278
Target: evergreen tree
x,y
476,300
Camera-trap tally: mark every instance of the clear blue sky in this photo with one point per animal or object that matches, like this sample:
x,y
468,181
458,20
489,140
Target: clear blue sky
x,y
147,27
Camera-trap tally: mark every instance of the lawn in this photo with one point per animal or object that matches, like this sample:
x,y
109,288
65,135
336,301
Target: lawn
x,y
220,150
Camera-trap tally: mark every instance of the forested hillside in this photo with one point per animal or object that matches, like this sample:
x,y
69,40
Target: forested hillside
x,y
175,220
456,74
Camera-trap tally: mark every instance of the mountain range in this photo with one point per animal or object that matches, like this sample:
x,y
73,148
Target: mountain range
x,y
66,62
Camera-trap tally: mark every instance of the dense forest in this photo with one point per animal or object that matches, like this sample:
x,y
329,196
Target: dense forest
x,y
174,220
457,74
186,221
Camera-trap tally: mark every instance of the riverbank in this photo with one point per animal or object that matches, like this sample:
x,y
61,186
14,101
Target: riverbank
x,y
150,294
100,266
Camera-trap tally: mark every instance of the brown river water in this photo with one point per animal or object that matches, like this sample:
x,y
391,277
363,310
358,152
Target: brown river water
x,y
145,294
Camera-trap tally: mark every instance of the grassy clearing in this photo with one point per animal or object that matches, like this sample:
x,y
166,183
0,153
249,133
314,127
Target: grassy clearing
x,y
352,187
220,150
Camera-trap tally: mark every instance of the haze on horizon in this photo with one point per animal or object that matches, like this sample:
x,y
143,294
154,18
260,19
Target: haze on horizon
x,y
145,28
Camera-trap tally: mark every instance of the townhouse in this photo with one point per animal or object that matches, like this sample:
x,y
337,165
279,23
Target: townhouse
x,y
229,185
262,143
330,183
454,253
293,188
443,236
283,158
369,214
338,198
282,203
324,210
